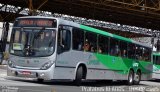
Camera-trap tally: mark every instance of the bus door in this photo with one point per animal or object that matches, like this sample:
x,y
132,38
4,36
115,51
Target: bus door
x,y
64,46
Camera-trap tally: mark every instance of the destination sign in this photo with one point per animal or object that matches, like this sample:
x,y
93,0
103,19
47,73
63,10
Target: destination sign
x,y
28,22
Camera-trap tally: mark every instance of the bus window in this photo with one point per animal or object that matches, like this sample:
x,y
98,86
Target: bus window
x,y
90,42
154,59
131,50
123,48
64,40
45,39
114,47
78,39
139,50
23,39
103,44
146,54
157,60
17,37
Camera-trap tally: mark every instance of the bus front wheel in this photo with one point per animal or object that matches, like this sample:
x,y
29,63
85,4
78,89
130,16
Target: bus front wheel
x,y
79,76
40,80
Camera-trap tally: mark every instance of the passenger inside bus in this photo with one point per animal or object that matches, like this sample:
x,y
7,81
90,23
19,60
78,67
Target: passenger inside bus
x,y
99,49
115,50
124,53
92,49
86,46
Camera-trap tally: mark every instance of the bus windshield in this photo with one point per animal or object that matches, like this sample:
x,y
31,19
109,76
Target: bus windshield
x,y
32,42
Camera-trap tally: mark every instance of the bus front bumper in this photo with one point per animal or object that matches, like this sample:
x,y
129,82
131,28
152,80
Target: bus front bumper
x,y
28,73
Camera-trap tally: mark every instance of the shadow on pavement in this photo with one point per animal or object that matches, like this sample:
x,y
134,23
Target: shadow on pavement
x,y
99,83
155,80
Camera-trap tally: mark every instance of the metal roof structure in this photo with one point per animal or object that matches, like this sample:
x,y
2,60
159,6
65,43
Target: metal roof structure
x,y
140,13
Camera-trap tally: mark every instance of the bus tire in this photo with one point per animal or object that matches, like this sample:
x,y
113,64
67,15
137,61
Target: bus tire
x,y
137,78
1,58
79,76
130,80
40,80
0,62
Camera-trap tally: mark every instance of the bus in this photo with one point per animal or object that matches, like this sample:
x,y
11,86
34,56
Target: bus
x,y
49,48
156,65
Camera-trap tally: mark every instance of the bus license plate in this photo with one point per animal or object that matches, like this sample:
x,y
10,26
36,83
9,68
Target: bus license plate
x,y
26,73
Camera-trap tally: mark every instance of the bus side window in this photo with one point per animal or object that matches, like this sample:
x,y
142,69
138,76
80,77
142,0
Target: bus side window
x,y
131,51
90,44
123,48
103,44
154,59
78,39
114,47
64,40
138,53
146,54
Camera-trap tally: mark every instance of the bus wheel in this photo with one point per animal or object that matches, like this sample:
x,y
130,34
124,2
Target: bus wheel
x,y
78,79
40,80
137,78
0,61
130,78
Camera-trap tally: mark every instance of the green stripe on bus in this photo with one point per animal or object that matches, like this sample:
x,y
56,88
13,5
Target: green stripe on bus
x,y
122,65
104,33
156,53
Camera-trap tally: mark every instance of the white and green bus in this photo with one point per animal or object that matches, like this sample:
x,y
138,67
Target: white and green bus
x,y
156,65
48,48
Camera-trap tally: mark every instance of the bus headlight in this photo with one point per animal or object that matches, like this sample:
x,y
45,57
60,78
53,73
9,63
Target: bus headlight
x,y
11,64
46,65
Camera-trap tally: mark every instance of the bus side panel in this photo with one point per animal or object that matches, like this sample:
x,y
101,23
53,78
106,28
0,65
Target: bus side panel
x,y
67,62
146,70
63,73
105,75
98,66
116,67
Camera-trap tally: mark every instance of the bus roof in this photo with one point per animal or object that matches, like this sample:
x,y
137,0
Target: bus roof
x,y
37,17
91,29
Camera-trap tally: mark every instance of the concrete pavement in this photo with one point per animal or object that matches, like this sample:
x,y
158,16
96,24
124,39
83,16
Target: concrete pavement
x,y
29,85
3,72
3,67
